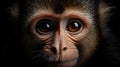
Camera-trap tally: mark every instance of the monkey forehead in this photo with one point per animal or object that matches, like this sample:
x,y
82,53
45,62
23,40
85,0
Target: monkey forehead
x,y
68,13
59,5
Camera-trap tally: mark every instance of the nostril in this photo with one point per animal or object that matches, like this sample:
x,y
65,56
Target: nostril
x,y
65,48
54,50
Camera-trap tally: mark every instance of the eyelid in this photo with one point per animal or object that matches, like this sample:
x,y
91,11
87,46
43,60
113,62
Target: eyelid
x,y
82,18
76,20
85,24
41,17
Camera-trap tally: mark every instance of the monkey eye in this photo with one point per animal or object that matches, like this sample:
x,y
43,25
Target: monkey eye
x,y
44,26
74,25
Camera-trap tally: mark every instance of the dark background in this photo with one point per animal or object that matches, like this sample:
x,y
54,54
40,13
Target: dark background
x,y
7,31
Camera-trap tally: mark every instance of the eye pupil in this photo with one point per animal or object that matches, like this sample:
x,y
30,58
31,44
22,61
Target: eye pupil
x,y
44,25
74,25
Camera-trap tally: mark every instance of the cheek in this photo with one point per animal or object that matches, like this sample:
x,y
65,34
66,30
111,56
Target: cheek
x,y
88,46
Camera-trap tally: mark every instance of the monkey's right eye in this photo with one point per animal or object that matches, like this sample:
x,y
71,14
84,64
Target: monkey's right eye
x,y
74,25
44,26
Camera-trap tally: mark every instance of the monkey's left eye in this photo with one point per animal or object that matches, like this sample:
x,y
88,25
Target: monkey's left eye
x,y
74,25
44,26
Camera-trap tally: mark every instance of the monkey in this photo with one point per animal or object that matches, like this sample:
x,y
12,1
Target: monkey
x,y
63,33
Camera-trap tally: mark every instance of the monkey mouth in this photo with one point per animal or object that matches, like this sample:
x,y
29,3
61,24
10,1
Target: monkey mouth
x,y
53,60
65,63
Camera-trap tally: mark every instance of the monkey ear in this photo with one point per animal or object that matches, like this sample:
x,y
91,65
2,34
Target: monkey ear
x,y
104,11
104,14
13,11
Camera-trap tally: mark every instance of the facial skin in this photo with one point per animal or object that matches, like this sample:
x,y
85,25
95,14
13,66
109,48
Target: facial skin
x,y
60,39
57,35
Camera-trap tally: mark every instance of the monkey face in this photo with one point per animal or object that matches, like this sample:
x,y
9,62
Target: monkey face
x,y
61,33
60,40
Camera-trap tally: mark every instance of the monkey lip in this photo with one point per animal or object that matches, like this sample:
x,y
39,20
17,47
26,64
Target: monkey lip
x,y
66,63
70,63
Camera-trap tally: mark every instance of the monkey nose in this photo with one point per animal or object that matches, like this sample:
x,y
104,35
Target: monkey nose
x,y
64,48
59,50
54,50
